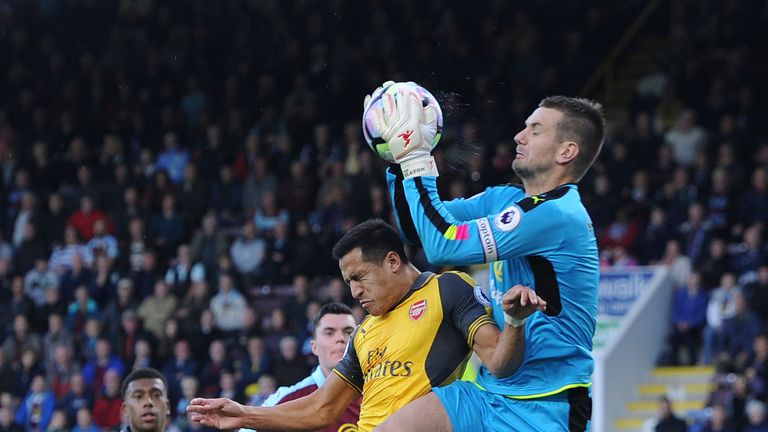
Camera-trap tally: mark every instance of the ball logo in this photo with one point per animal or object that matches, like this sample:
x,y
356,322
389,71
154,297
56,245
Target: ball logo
x,y
417,309
347,427
509,219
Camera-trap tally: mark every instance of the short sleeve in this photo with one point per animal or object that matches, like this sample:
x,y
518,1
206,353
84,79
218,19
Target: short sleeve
x,y
462,301
348,369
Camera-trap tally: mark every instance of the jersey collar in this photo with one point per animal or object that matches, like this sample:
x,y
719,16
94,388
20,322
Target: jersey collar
x,y
318,376
420,281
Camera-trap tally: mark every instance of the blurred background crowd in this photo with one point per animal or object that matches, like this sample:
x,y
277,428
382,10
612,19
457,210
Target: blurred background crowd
x,y
174,173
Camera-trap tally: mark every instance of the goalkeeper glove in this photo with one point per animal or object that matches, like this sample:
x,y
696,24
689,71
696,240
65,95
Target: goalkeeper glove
x,y
409,129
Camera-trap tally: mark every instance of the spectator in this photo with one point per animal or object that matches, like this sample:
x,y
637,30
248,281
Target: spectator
x,y
77,275
756,294
718,420
89,338
208,242
228,306
757,366
22,339
167,227
79,396
255,364
95,369
20,303
144,279
679,264
226,197
751,253
194,196
686,138
40,279
216,364
192,305
296,304
36,409
258,182
721,306
124,301
248,253
107,407
290,367
85,422
715,263
7,375
58,422
184,272
739,332
31,248
268,214
757,417
695,233
173,159
84,218
130,332
754,202
81,309
135,246
60,370
688,319
101,243
181,365
157,308
667,420
63,255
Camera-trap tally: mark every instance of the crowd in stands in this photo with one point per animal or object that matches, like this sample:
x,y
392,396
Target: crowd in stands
x,y
173,175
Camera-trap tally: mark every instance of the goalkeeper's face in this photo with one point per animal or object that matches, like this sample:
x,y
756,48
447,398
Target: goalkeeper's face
x,y
375,285
537,144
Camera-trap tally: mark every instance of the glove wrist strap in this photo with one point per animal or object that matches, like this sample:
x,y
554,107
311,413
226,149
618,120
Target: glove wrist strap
x,y
514,322
419,166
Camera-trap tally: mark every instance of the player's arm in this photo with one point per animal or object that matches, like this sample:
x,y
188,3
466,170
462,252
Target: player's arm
x,y
314,411
531,226
502,352
461,208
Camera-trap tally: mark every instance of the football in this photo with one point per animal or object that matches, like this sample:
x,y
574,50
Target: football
x,y
373,136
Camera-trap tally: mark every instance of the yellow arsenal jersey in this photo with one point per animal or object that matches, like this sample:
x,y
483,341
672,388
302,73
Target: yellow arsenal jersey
x,y
424,342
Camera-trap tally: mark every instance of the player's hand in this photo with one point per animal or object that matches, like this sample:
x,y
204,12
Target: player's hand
x,y
375,93
218,413
521,301
405,124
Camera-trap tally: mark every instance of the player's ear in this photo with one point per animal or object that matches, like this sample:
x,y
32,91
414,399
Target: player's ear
x,y
567,152
392,261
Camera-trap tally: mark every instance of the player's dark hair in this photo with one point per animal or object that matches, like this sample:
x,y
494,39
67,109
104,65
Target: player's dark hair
x,y
584,123
334,308
375,238
142,373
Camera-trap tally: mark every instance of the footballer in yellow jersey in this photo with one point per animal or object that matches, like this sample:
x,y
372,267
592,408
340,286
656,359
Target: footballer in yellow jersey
x,y
419,334
423,342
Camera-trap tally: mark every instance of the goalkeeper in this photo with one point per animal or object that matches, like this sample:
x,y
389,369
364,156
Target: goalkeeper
x,y
538,234
418,335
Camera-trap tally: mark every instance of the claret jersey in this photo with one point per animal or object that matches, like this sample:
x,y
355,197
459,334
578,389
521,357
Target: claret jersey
x,y
423,342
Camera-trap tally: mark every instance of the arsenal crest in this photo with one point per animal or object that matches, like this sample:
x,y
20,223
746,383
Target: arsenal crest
x,y
417,309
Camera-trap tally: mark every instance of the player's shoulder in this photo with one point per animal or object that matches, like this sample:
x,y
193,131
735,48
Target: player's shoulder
x,y
283,394
558,196
505,191
456,278
455,286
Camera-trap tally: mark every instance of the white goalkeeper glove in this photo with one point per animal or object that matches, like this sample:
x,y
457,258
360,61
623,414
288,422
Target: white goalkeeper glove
x,y
409,129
